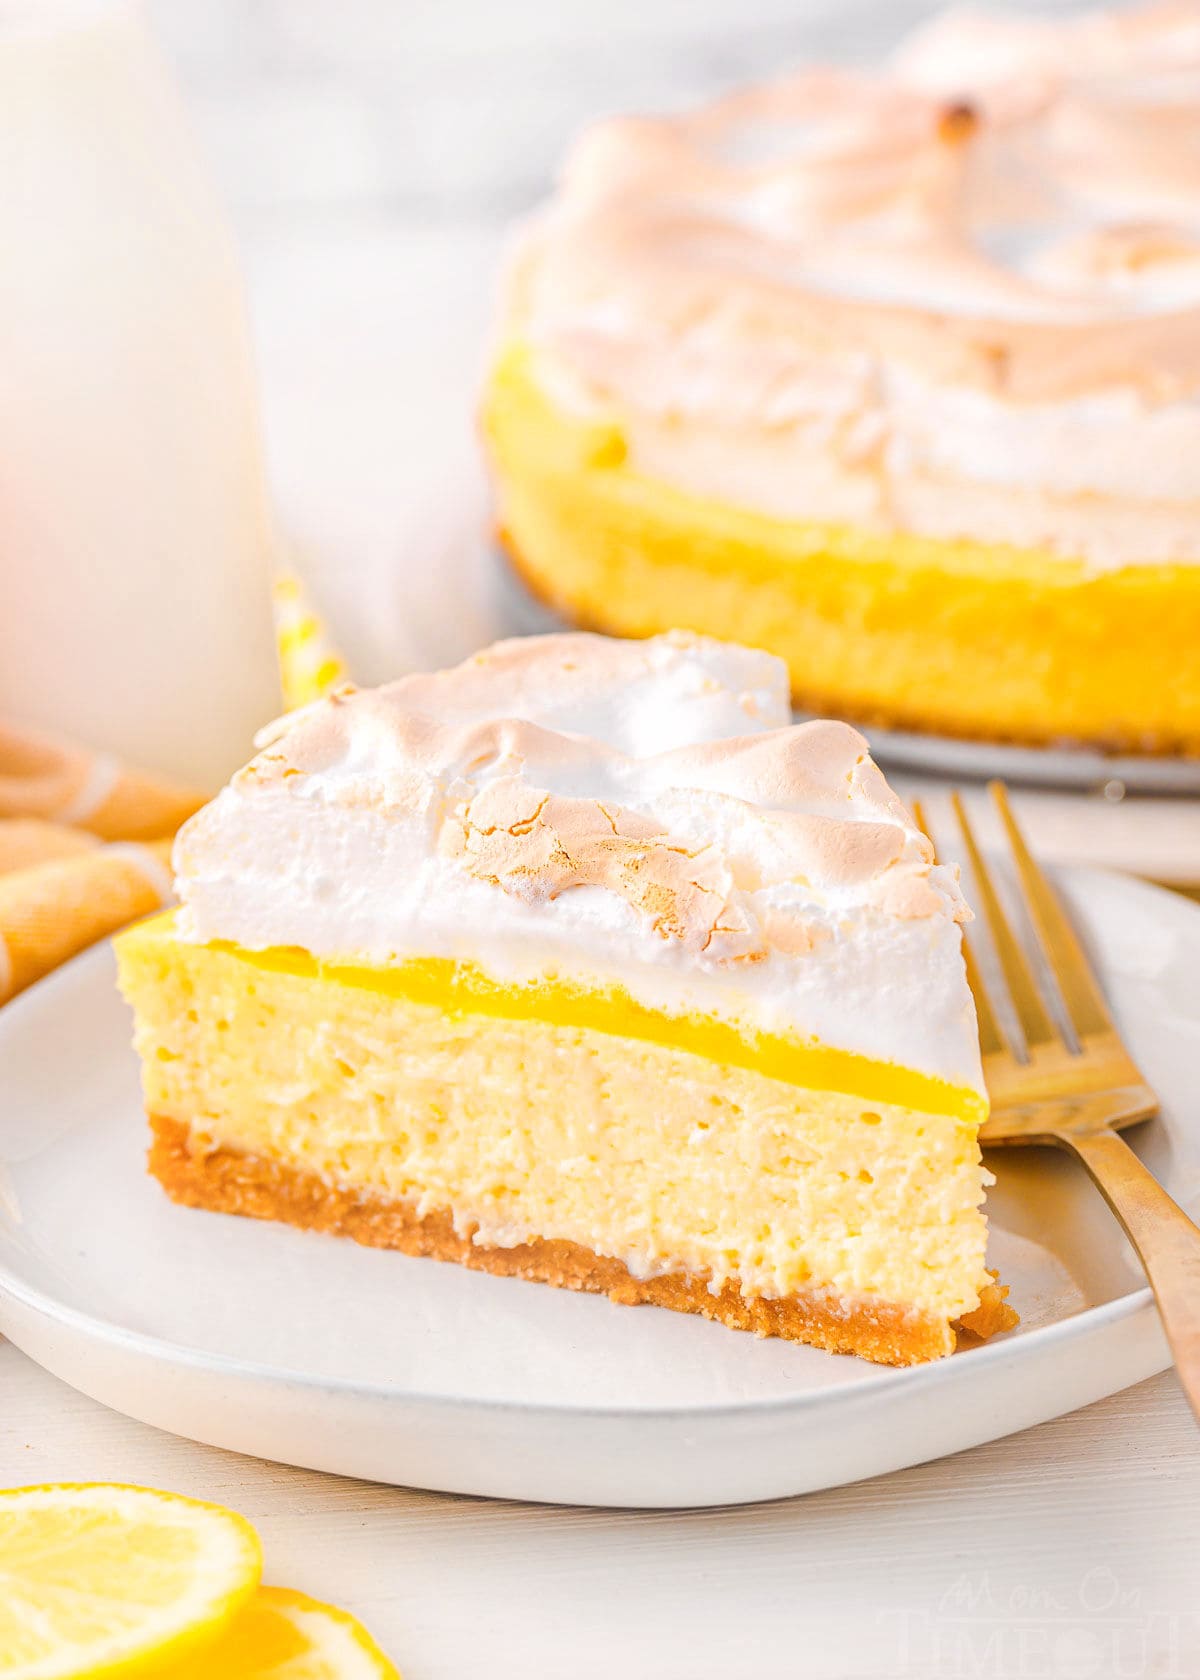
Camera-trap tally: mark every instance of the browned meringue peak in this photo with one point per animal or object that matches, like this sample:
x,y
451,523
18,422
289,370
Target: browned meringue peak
x,y
536,844
636,695
1116,99
473,766
832,212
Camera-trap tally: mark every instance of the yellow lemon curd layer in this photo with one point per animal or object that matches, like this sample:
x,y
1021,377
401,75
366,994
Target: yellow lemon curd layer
x,y
430,1085
968,637
465,988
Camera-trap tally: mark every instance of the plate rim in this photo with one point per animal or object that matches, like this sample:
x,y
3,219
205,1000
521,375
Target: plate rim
x,y
100,1330
145,1345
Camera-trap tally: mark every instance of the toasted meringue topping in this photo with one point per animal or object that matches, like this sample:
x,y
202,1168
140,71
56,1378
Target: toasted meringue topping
x,y
639,813
1009,215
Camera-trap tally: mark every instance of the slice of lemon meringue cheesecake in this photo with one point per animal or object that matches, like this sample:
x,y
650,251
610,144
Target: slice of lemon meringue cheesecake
x,y
580,962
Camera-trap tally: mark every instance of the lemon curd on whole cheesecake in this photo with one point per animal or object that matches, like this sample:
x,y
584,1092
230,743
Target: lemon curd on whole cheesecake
x,y
580,962
896,375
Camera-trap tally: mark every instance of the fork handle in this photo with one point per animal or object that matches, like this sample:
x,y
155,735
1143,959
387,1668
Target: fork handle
x,y
1167,1242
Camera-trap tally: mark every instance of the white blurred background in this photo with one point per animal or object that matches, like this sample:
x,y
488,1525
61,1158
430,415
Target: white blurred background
x,y
445,112
371,153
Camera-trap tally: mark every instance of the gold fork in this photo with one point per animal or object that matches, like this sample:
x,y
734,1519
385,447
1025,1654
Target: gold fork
x,y
1071,1083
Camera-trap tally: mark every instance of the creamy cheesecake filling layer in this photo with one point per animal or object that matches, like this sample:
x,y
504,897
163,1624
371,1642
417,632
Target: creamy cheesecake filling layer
x,y
461,988
466,988
657,1155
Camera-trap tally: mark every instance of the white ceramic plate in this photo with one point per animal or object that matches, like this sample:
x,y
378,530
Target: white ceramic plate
x,y
1078,768
308,1349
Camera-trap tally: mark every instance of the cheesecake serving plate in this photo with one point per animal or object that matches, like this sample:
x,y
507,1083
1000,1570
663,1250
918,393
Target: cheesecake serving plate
x,y
306,1349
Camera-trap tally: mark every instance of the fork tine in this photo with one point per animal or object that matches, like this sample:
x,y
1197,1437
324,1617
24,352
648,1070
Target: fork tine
x,y
990,1039
1031,1012
1082,997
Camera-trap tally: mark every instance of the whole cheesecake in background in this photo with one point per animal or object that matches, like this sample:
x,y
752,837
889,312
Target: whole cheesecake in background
x,y
895,375
581,963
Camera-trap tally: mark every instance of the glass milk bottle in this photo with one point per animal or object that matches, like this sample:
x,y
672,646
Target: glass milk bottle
x,y
135,536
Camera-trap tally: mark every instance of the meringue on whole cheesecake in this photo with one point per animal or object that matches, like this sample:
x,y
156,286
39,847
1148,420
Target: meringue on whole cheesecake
x,y
581,963
895,374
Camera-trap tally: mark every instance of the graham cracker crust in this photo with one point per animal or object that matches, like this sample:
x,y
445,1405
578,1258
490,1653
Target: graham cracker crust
x,y
224,1180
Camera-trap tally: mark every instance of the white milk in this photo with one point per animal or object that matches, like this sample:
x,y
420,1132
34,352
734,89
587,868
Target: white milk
x,y
135,536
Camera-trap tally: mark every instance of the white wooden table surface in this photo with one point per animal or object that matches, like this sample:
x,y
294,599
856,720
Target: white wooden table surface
x,y
1068,1551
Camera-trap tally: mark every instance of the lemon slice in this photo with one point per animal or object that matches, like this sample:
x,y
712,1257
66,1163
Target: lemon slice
x,y
284,1635
98,1579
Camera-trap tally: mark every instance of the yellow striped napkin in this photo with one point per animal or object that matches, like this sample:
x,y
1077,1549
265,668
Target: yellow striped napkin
x,y
52,911
61,888
25,841
44,777
309,665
